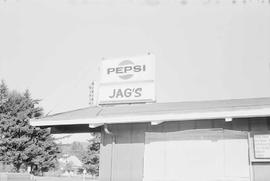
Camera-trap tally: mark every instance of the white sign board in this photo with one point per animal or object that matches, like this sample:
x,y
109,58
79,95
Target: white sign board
x,y
127,93
262,145
127,80
128,69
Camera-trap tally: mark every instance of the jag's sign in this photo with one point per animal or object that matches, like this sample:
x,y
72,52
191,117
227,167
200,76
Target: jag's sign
x,y
127,80
127,93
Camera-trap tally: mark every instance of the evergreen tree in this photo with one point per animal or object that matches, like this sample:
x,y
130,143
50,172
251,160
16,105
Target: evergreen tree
x,y
91,158
42,155
22,144
3,93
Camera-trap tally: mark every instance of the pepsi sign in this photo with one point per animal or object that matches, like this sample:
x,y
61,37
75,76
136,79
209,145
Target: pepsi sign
x,y
128,69
127,80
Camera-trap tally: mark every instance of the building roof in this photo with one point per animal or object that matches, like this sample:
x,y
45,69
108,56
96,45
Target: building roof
x,y
159,112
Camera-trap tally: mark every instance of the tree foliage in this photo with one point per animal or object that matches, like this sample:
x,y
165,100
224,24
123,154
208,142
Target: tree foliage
x,y
91,158
22,144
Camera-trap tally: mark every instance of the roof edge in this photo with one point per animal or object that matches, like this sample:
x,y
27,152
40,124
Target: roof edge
x,y
159,118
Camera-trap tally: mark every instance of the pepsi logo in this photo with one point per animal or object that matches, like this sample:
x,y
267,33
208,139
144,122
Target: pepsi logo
x,y
126,69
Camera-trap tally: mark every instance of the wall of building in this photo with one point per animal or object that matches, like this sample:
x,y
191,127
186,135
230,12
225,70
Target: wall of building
x,y
261,171
122,156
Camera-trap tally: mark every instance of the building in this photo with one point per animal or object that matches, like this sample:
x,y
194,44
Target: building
x,y
206,140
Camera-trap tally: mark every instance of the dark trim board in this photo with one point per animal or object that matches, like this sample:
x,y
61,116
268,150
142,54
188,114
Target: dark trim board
x,y
79,128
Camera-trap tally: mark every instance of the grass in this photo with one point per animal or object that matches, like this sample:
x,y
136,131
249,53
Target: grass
x,y
74,178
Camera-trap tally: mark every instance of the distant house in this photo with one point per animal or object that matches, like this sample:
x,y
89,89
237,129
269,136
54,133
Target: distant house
x,y
70,163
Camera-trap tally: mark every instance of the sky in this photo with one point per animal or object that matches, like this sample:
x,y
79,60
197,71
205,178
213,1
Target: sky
x,y
205,49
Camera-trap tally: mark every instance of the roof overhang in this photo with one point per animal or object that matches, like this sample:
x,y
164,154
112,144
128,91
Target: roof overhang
x,y
157,118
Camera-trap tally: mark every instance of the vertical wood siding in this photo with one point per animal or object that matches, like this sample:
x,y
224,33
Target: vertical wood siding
x,y
123,160
127,153
105,156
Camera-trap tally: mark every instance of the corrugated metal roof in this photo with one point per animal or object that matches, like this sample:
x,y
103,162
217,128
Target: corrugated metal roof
x,y
181,107
104,114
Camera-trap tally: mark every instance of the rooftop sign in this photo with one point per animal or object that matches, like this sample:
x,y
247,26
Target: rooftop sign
x,y
128,69
127,80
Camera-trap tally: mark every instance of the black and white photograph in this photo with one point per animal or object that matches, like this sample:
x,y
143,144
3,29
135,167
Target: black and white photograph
x,y
134,90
